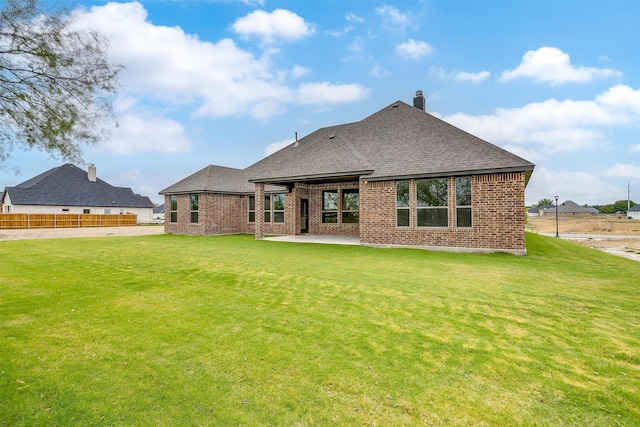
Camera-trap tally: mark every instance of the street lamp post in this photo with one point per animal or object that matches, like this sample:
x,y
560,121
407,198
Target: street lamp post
x,y
557,235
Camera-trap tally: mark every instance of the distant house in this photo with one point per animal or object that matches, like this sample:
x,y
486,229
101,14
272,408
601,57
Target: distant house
x,y
400,177
634,212
539,211
69,189
570,208
158,212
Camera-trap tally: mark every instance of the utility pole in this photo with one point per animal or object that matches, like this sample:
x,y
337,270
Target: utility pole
x,y
628,195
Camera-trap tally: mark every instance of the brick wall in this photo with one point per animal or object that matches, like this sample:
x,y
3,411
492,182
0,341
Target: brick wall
x,y
497,215
217,214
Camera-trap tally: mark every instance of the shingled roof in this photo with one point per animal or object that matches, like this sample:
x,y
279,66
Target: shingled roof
x,y
399,141
215,179
68,185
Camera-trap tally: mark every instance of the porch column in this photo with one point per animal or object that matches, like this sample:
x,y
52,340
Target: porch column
x,y
259,199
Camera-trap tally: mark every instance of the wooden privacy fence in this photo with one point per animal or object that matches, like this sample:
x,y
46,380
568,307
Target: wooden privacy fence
x,y
29,221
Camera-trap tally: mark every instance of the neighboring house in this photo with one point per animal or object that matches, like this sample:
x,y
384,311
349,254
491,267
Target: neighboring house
x,y
634,212
158,212
539,211
570,208
400,177
69,189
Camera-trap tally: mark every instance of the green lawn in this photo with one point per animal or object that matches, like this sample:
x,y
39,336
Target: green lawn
x,y
175,330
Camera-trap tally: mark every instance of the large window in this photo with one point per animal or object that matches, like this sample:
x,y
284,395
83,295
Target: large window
x,y
278,207
432,202
194,208
330,207
252,208
402,203
267,208
463,202
350,206
173,208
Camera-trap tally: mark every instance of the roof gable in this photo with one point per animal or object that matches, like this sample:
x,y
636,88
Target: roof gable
x,y
68,185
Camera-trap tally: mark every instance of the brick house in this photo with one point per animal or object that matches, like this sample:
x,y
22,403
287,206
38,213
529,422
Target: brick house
x,y
400,177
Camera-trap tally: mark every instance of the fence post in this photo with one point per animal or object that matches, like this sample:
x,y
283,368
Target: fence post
x,y
28,221
78,220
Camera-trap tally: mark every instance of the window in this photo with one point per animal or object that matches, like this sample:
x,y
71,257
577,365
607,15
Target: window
x,y
173,208
402,203
463,202
432,202
350,206
330,207
194,208
86,211
252,208
267,208
107,211
278,207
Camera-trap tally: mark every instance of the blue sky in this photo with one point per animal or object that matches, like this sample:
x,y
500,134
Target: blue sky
x,y
227,82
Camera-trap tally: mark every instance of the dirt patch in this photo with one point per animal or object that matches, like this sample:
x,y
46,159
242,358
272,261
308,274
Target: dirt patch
x,y
57,233
608,232
600,224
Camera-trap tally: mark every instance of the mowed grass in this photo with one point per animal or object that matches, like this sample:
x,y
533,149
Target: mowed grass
x,y
175,330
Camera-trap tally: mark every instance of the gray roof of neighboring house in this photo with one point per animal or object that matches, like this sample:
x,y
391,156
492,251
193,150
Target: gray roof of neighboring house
x,y
159,209
540,208
215,179
68,185
572,207
635,208
399,141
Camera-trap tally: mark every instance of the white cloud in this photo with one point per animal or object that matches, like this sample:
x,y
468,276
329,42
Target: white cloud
x,y
299,71
556,126
352,17
623,171
552,65
325,93
278,25
176,71
393,17
580,187
635,148
276,146
471,77
145,132
413,49
460,75
378,71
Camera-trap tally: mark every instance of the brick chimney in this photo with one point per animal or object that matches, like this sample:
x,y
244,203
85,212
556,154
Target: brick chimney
x,y
419,102
91,173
